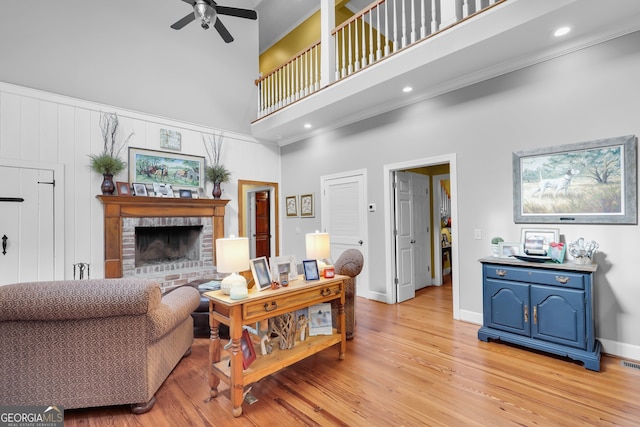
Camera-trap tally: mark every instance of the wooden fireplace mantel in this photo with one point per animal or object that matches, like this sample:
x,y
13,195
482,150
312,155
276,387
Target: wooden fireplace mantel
x,y
118,207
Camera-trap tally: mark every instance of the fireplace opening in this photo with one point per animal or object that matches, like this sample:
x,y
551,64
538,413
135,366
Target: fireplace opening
x,y
161,245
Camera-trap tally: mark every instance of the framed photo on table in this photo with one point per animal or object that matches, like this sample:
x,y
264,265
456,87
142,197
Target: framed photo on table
x,y
507,249
283,267
536,241
123,188
139,189
260,271
311,271
248,350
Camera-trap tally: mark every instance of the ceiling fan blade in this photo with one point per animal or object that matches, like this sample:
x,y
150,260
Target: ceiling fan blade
x,y
224,33
184,21
234,11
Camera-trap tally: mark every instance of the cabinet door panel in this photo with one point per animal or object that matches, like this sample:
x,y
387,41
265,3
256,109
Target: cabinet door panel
x,y
559,315
506,306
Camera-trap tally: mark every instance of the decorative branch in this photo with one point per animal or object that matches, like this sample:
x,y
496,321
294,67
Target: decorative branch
x,y
110,127
213,147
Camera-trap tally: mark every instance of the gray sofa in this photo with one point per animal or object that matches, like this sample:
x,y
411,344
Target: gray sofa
x,y
89,343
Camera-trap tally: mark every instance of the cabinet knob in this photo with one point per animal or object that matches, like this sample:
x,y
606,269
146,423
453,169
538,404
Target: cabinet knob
x,y
562,279
501,273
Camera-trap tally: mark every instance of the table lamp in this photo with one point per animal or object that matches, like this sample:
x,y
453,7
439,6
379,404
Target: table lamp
x,y
232,256
318,248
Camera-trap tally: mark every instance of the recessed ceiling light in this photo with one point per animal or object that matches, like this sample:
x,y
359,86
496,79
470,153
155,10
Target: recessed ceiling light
x,y
307,125
562,31
407,89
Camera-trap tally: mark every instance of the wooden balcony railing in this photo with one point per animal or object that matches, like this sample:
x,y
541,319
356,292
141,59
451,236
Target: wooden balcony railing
x,y
378,31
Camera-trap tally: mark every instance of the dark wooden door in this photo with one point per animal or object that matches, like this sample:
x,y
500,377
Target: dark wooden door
x,y
263,230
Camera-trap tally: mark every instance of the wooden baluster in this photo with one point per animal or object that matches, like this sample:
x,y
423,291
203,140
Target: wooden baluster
x,y
413,21
356,44
423,20
404,25
435,26
386,28
378,50
364,42
350,67
317,50
371,57
344,52
395,26
337,43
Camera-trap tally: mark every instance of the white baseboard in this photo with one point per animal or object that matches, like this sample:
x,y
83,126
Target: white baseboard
x,y
619,349
471,317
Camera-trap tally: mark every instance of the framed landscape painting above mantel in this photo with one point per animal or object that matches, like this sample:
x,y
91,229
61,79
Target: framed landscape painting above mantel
x,y
160,167
592,182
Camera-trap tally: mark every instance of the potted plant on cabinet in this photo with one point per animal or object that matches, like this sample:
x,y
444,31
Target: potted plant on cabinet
x,y
495,245
215,173
108,163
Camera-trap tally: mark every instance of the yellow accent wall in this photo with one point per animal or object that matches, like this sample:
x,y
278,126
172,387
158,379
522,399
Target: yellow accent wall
x,y
302,37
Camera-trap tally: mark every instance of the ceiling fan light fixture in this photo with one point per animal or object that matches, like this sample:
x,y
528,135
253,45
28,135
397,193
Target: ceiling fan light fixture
x,y
204,13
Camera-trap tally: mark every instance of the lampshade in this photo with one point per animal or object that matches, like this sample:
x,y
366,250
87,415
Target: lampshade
x,y
318,245
204,13
232,254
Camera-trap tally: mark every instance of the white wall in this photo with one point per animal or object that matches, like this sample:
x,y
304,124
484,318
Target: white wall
x,y
42,127
124,53
587,95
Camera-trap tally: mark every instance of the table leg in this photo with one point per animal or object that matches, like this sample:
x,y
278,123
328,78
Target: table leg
x,y
343,325
237,380
214,351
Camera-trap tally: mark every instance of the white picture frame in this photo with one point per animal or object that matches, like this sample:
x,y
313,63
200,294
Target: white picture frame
x,y
508,249
537,240
283,264
261,273
162,190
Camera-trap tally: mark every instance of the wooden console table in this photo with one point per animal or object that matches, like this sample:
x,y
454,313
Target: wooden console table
x,y
260,306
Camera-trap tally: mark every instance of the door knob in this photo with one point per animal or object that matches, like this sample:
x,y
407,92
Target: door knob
x,y
360,242
412,241
4,244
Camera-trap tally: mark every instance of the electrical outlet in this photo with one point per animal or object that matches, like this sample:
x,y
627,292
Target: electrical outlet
x,y
477,234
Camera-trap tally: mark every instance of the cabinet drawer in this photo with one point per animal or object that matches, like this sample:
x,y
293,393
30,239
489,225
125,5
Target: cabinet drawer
x,y
288,302
529,275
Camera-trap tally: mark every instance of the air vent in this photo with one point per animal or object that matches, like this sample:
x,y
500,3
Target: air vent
x,y
631,365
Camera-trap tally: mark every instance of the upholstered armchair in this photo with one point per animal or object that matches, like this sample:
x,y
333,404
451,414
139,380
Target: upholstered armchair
x,y
89,343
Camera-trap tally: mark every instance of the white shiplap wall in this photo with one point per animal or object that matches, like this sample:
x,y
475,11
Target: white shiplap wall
x,y
42,127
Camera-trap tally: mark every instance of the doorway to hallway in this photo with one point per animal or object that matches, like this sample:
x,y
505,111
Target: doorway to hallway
x,y
399,236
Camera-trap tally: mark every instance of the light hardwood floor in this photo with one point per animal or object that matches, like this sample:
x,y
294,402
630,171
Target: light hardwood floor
x,y
408,365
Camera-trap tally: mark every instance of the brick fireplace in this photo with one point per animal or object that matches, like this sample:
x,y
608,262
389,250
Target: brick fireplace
x,y
166,239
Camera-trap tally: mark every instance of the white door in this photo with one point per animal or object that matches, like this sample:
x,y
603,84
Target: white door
x,y
405,270
26,225
344,218
421,230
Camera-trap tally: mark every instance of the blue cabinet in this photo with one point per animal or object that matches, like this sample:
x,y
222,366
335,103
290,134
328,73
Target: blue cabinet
x,y
547,307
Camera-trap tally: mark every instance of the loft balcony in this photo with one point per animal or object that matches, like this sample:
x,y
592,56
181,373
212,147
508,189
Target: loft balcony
x,y
434,46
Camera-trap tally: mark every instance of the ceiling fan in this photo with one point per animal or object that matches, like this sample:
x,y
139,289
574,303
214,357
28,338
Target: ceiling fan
x,y
207,11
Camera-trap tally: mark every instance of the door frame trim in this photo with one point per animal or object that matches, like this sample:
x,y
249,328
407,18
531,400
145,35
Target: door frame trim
x,y
388,223
58,207
246,186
